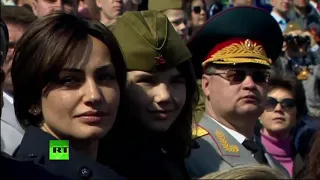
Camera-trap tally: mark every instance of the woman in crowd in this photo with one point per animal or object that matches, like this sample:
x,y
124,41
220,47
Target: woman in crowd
x,y
284,107
197,14
68,75
152,133
247,172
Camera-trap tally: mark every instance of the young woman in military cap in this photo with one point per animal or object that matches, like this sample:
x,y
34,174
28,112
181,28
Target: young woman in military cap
x,y
153,130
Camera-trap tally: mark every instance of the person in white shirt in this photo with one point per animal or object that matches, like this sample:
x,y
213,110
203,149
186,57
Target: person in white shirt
x,y
17,19
280,10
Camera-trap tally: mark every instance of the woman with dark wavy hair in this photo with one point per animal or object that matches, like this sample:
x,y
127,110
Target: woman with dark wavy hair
x,y
68,74
153,130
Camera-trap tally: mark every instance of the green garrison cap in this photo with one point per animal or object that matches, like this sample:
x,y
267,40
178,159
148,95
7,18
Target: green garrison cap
x,y
149,42
162,5
237,35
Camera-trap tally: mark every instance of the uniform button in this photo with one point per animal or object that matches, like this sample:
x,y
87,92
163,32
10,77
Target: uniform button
x,y
163,151
32,156
85,173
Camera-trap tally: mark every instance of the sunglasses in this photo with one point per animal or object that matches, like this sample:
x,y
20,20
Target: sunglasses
x,y
286,104
197,9
238,76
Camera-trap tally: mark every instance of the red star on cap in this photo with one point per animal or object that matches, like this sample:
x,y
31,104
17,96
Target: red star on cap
x,y
160,60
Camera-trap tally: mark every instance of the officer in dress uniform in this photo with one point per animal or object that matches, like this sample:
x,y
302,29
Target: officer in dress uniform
x,y
235,60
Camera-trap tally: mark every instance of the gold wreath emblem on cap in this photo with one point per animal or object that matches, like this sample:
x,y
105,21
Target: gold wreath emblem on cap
x,y
249,44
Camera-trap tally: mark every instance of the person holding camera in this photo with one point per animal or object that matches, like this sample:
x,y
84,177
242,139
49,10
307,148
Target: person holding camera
x,y
301,55
299,51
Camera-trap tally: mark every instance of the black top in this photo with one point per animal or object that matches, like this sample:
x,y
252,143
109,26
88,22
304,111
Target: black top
x,y
35,146
137,153
23,169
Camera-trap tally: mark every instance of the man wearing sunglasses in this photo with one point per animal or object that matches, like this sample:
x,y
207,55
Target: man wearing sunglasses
x,y
235,61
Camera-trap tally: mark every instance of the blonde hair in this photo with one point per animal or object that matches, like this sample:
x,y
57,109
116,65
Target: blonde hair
x,y
247,172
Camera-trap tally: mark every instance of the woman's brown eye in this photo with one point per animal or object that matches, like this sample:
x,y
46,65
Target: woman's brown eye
x,y
106,76
70,81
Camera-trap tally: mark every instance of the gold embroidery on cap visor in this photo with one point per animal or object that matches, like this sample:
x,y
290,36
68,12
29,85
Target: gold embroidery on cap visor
x,y
243,52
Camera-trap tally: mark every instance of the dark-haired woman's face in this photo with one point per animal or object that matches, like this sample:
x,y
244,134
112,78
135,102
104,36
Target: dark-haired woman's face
x,y
198,13
279,118
157,99
83,103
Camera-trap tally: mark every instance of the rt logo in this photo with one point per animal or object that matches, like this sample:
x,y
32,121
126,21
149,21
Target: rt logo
x,y
59,150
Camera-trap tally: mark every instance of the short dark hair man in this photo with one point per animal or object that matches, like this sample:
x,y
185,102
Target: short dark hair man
x,y
235,58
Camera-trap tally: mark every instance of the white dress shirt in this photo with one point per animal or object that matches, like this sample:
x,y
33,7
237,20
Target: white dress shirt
x,y
281,21
239,137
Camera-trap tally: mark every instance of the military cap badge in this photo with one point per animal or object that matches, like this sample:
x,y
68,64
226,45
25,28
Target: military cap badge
x,y
248,43
160,60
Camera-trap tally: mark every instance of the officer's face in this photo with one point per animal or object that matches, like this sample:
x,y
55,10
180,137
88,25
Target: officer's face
x,y
235,91
156,98
178,21
45,7
278,120
83,103
282,6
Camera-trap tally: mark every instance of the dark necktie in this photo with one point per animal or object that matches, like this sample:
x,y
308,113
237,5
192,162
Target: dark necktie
x,y
256,151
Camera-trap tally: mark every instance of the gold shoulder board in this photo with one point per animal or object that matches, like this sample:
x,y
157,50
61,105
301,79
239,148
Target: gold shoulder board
x,y
198,132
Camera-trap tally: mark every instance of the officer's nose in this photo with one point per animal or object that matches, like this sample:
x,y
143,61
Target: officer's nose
x,y
248,82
